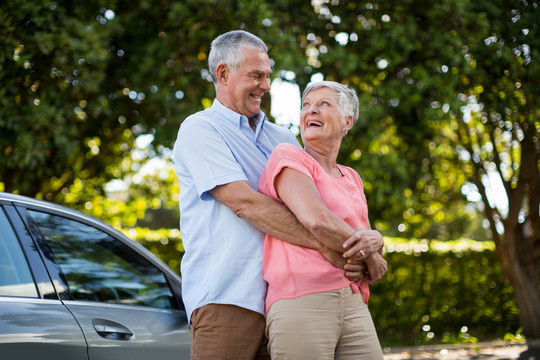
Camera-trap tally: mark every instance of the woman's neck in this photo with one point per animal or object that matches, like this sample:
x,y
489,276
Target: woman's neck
x,y
326,158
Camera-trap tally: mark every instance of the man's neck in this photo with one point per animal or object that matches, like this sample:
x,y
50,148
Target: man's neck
x,y
252,124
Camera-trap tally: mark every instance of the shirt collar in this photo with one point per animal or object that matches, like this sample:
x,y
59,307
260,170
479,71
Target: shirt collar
x,y
235,117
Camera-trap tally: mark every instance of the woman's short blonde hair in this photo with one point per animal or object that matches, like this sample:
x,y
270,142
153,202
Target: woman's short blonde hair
x,y
347,98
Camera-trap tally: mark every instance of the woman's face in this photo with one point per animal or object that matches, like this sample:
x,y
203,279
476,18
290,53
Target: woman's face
x,y
321,117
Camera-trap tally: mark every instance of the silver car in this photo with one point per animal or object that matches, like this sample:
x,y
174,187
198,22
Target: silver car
x,y
73,287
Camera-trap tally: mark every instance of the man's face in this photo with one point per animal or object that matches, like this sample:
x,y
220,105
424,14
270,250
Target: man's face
x,y
242,90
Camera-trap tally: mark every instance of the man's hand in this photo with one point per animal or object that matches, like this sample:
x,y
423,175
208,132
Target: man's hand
x,y
354,269
362,244
335,258
376,268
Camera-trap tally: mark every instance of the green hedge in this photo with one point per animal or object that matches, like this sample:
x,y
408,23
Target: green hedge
x,y
442,291
433,291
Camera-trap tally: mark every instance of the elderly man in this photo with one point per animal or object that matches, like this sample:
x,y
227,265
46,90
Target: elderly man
x,y
220,153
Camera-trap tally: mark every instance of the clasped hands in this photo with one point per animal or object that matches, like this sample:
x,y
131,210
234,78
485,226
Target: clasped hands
x,y
362,256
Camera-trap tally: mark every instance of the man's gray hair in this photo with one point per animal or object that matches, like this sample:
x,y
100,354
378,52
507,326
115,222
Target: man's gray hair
x,y
347,98
229,49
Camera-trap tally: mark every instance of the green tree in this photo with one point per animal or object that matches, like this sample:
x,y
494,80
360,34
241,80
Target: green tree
x,y
81,80
501,137
449,93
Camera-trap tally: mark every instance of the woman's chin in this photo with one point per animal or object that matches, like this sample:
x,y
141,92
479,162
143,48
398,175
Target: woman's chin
x,y
311,134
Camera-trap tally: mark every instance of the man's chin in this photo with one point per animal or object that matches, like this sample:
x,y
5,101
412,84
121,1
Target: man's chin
x,y
254,111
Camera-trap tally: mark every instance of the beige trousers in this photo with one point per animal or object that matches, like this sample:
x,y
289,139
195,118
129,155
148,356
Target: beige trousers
x,y
328,325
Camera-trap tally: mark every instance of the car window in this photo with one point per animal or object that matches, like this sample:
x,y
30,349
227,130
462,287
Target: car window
x,y
99,267
15,276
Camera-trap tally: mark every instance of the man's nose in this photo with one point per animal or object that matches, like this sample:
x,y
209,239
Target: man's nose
x,y
265,84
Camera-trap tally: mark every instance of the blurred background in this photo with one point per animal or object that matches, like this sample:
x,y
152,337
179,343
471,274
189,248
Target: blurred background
x,y
92,94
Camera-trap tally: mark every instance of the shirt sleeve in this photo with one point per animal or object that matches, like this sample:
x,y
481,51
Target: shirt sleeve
x,y
203,153
284,156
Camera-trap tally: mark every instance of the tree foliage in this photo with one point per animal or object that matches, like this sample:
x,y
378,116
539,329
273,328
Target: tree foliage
x,y
83,79
428,294
449,94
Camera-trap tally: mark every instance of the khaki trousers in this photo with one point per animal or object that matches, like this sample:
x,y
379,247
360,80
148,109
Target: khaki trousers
x,y
228,332
328,325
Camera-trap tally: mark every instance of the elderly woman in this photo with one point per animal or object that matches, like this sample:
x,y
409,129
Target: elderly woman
x,y
313,310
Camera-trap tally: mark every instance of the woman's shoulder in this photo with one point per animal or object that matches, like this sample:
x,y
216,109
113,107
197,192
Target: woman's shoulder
x,y
294,151
287,147
350,172
286,153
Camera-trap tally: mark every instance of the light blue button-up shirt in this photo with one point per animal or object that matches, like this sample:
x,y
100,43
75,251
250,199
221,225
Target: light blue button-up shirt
x,y
222,263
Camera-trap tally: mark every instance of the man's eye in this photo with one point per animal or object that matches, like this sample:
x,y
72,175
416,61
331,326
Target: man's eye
x,y
259,76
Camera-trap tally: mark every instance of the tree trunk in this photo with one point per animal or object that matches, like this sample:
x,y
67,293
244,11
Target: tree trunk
x,y
523,275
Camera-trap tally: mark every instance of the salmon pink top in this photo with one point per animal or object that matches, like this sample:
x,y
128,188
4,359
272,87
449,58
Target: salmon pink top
x,y
290,270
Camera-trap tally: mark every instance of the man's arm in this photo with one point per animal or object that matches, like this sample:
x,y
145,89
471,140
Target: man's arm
x,y
264,213
273,218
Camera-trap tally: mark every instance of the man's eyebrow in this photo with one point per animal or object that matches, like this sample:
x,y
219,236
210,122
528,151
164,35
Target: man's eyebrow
x,y
260,72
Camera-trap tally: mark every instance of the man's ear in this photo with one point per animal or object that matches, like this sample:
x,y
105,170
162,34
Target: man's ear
x,y
349,122
222,74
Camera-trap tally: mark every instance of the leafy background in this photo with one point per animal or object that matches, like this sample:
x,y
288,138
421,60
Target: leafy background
x,y
93,91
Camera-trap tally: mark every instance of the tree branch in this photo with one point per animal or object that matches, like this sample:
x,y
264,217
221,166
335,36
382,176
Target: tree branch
x,y
490,212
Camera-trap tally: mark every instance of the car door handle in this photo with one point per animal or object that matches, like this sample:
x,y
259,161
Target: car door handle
x,y
111,330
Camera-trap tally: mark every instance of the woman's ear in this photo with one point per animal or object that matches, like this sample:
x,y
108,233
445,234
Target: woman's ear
x,y
349,122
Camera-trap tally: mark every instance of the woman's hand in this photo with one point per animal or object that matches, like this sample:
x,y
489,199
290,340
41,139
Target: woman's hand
x,y
363,243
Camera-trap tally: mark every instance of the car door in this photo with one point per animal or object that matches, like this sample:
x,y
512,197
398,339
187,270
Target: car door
x,y
124,299
34,324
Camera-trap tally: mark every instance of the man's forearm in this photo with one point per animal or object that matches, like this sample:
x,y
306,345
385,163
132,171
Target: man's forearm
x,y
275,219
265,213
278,221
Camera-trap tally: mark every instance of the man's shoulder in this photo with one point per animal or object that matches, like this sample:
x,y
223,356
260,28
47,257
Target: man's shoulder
x,y
199,117
281,131
199,121
276,127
